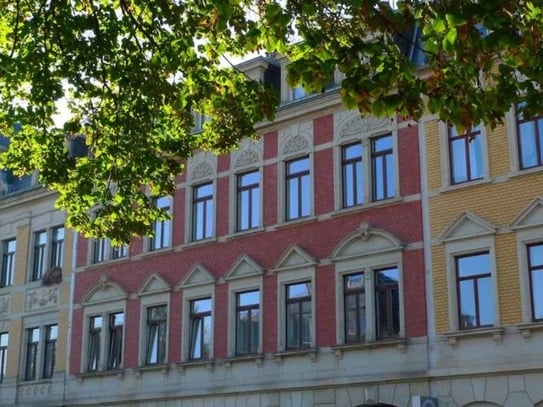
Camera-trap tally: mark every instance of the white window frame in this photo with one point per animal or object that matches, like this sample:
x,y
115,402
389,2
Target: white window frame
x,y
190,294
169,222
368,264
463,247
295,142
108,251
201,169
349,129
514,152
3,269
446,182
149,301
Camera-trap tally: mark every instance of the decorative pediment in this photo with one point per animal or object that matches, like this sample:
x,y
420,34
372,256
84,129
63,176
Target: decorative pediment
x,y
201,170
366,241
530,216
153,285
467,225
244,267
352,124
295,257
199,275
105,291
246,157
296,138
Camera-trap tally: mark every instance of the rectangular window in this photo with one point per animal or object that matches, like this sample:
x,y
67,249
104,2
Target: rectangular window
x,y
57,246
161,228
32,345
8,262
156,335
118,252
4,337
299,316
248,200
115,345
38,265
247,322
49,351
382,162
95,334
355,307
99,250
535,269
202,212
200,328
387,303
353,175
474,289
298,188
465,155
530,140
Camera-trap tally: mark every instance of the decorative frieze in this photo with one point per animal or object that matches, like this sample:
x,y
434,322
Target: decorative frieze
x,y
43,297
4,304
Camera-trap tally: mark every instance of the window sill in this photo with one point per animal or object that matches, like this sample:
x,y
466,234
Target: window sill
x,y
311,353
295,222
467,184
495,332
366,206
244,233
208,363
400,343
163,368
197,243
97,264
527,329
257,358
149,253
520,172
102,373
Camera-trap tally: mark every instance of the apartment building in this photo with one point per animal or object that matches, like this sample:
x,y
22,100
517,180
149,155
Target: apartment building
x,y
35,280
291,273
484,227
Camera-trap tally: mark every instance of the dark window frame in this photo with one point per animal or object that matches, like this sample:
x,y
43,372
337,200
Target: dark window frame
x,y
8,263
162,229
537,121
31,354
201,205
3,354
156,325
359,295
49,351
197,330
247,213
349,166
57,246
293,178
115,341
391,293
94,345
39,255
385,155
476,300
467,138
531,270
298,302
250,309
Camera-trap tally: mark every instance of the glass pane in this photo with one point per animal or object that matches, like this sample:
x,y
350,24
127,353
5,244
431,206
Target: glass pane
x,y
298,290
486,304
306,324
297,166
353,281
3,339
96,322
255,207
378,178
467,305
382,144
255,330
476,157
293,326
387,276
203,305
353,151
536,255
390,178
249,178
537,294
207,337
293,198
196,339
527,144
204,190
249,298
52,332
242,332
458,161
209,219
473,265
305,195
117,319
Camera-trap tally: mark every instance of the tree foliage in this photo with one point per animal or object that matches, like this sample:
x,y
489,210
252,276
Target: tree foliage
x,y
132,72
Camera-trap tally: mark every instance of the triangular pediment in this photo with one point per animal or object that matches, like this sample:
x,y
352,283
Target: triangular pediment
x,y
154,284
199,275
467,225
295,257
105,291
366,241
530,216
244,267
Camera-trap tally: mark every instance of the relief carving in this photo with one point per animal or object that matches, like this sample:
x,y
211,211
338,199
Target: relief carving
x,y
246,157
367,124
37,390
4,304
294,144
202,170
41,298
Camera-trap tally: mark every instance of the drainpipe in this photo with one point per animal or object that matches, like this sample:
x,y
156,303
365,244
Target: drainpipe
x,y
70,315
428,280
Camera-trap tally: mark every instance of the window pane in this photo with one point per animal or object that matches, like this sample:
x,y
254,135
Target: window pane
x,y
459,161
486,306
249,298
202,211
3,354
476,157
467,305
50,345
57,247
536,255
528,150
156,335
537,294
116,322
7,267
293,326
299,290
298,188
387,303
201,328
353,176
473,265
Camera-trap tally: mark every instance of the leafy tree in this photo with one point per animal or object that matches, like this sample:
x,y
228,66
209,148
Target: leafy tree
x,y
132,72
